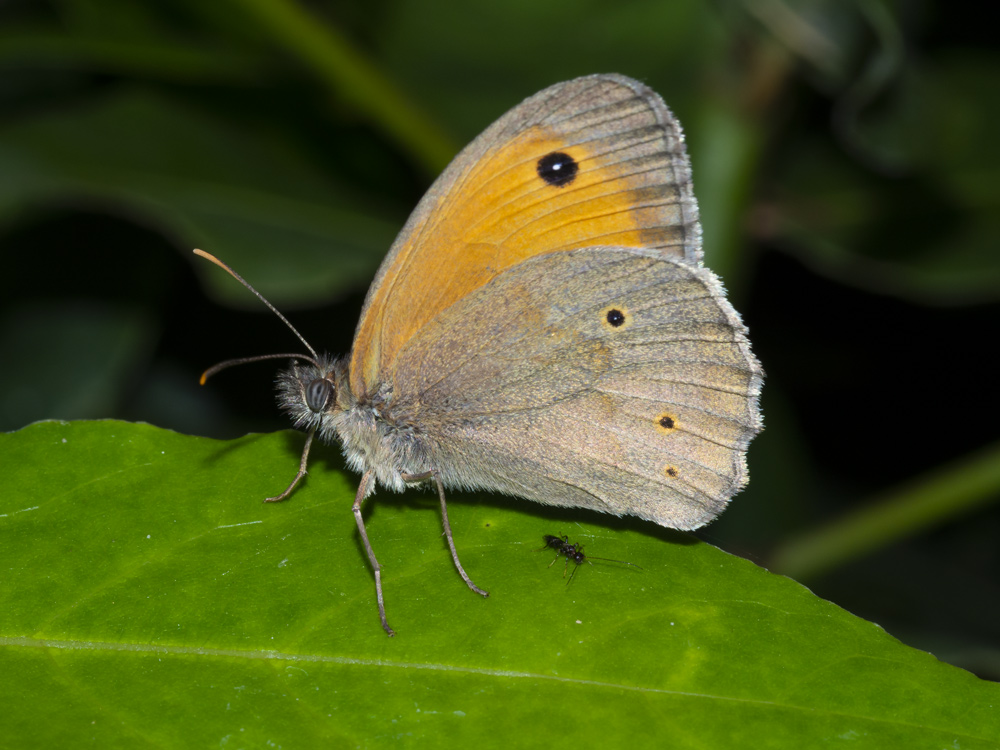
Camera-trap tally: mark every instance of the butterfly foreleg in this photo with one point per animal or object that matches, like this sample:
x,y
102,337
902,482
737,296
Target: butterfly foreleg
x,y
302,471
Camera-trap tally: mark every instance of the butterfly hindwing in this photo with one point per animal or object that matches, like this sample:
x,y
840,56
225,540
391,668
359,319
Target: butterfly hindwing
x,y
608,378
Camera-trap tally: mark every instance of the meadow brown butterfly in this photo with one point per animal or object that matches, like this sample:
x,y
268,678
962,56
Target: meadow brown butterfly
x,y
543,327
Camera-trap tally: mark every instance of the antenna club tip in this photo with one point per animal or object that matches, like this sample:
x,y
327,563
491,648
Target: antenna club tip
x,y
209,256
204,378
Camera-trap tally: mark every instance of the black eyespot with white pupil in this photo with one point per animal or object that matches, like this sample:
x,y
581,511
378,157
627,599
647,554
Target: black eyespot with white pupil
x,y
318,393
615,318
557,169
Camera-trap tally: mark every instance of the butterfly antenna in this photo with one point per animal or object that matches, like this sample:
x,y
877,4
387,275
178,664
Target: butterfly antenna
x,y
244,360
258,295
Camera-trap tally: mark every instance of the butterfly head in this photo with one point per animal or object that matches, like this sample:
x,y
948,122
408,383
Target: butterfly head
x,y
313,391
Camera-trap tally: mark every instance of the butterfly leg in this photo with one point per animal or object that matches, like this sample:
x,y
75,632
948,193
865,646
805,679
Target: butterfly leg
x,y
447,527
366,480
298,477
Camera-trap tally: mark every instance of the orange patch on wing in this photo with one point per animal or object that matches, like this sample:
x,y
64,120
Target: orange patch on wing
x,y
496,213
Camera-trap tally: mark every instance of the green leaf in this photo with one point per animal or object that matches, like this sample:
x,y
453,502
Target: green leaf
x,y
151,599
102,341
927,228
353,77
247,196
923,503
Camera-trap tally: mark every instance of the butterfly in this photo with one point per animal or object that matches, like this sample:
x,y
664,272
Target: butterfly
x,y
543,327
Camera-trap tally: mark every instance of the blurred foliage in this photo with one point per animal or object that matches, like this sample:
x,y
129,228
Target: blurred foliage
x,y
843,157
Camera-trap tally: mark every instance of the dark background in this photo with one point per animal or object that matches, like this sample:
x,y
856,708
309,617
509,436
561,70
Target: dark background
x,y
845,157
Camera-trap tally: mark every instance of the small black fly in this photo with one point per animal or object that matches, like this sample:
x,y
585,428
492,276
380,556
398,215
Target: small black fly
x,y
574,552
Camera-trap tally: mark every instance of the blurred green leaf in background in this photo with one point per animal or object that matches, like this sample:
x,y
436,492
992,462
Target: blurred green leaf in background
x,y
845,161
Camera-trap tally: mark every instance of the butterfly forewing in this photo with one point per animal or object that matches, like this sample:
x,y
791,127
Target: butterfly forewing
x,y
502,200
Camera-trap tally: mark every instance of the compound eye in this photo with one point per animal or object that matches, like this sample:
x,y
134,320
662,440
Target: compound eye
x,y
318,393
